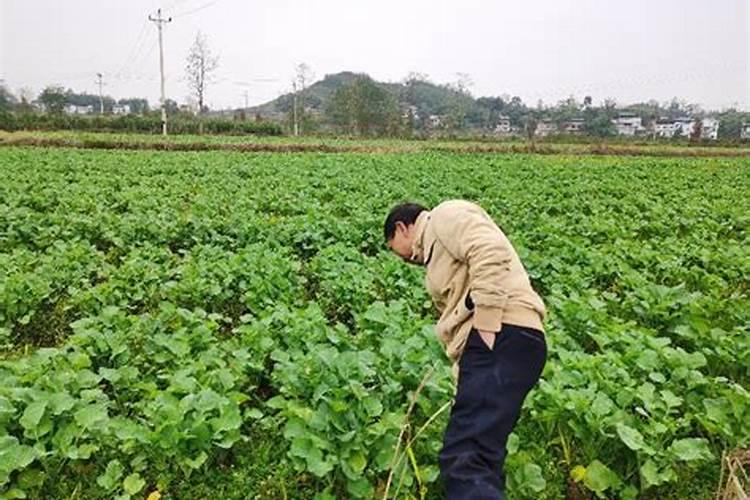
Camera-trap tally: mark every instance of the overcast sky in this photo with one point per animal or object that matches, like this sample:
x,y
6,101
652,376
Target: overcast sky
x,y
630,50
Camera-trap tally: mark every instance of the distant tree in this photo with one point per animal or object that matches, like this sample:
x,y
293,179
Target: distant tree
x,y
54,99
730,124
171,106
516,110
530,125
137,105
460,102
362,107
697,130
587,101
415,77
598,120
84,99
201,64
7,99
303,75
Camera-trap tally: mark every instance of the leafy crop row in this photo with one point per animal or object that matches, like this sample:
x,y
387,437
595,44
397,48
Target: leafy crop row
x,y
159,311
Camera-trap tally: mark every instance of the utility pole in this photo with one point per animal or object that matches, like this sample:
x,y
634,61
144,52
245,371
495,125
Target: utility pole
x,y
101,97
294,108
246,100
160,21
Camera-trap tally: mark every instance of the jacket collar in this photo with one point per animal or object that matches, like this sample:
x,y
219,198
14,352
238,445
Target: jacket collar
x,y
417,248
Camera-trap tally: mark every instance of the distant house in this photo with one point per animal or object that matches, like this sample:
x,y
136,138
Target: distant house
x,y
684,126
628,124
434,121
410,112
74,109
710,129
545,128
121,109
664,127
574,126
745,131
502,127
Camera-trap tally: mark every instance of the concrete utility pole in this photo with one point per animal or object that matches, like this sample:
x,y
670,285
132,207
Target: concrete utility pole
x,y
160,21
246,95
294,108
101,97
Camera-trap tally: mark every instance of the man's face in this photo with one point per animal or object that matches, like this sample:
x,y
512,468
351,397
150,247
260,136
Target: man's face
x,y
402,240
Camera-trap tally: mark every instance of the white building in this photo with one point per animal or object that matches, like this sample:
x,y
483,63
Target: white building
x,y
434,121
684,126
73,109
410,112
710,129
628,124
503,125
664,127
121,109
574,126
745,131
545,128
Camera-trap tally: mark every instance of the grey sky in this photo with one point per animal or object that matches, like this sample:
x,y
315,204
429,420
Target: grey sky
x,y
539,49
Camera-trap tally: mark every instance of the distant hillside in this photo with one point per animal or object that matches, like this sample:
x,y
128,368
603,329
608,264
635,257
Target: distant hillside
x,y
428,98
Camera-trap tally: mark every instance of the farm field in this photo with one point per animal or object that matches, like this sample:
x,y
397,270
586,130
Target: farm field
x,y
219,324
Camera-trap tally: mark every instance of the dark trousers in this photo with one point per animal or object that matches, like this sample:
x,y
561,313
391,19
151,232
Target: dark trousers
x,y
492,385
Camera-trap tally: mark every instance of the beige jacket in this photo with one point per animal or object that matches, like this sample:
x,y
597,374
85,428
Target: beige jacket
x,y
473,274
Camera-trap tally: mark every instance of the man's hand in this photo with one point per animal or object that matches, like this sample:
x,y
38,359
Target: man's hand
x,y
488,337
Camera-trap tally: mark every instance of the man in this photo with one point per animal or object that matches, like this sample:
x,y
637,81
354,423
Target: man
x,y
490,325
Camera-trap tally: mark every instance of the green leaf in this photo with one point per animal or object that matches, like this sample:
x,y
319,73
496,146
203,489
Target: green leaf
x,y
357,461
317,465
112,475
652,476
133,484
88,416
32,415
530,478
14,456
196,462
373,406
689,449
359,488
13,494
599,477
631,437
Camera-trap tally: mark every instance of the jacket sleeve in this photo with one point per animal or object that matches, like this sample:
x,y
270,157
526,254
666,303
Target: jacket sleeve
x,y
472,237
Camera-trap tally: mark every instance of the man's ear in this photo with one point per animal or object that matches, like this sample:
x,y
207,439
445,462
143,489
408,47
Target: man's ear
x,y
400,226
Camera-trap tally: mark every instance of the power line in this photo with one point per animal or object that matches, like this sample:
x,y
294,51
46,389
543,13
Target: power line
x,y
137,46
197,9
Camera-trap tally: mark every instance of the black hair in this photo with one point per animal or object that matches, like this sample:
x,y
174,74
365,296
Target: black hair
x,y
403,212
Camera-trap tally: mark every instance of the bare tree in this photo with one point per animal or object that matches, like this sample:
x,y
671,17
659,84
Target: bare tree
x,y
201,63
303,75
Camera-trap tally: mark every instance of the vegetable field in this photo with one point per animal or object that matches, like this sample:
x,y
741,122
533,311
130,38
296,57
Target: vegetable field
x,y
216,324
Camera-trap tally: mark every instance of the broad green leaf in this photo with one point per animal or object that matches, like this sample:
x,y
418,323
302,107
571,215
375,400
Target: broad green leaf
x,y
133,484
599,477
91,415
689,449
111,477
32,415
631,437
529,476
652,476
